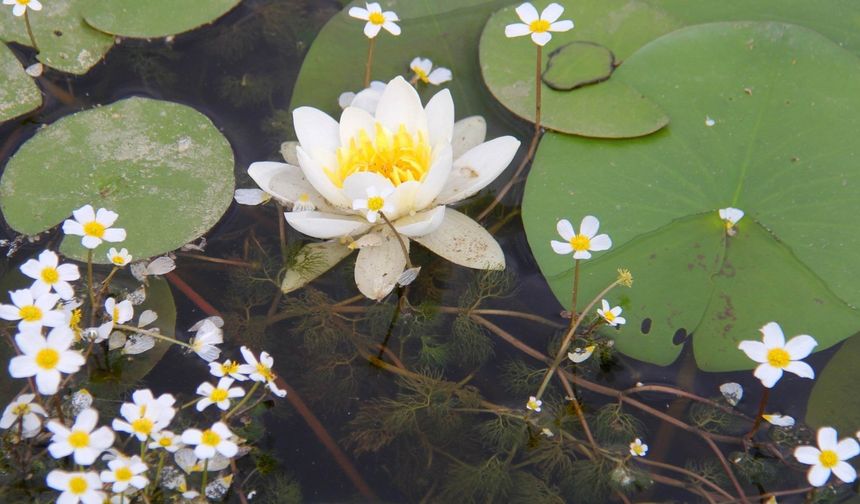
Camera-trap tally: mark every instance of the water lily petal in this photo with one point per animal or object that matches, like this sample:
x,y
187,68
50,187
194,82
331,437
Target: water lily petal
x,y
404,198
316,177
355,186
353,121
478,167
468,132
286,183
436,178
440,117
463,241
288,151
799,347
421,223
377,268
326,225
317,133
400,105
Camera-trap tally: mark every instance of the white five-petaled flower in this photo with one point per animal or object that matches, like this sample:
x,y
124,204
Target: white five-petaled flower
x,y
376,19
538,26
49,274
83,439
219,395
581,244
776,356
119,313
146,415
125,472
76,487
534,404
638,448
45,358
207,442
95,227
424,72
830,456
33,312
366,99
21,6
119,258
611,315
376,201
206,340
415,149
730,217
25,411
260,370
229,368
166,440
581,354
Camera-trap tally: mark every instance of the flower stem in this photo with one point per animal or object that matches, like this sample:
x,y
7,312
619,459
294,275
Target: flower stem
x,y
575,293
538,85
205,477
369,62
243,401
399,239
30,30
90,285
760,415
152,334
157,476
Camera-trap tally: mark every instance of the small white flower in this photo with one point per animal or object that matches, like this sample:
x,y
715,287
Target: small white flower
x,y
731,216
732,392
546,432
375,203
534,404
166,440
46,358
219,395
93,226
611,315
146,415
21,6
581,354
49,274
581,244
261,371
776,356
779,420
251,197
638,448
119,258
125,472
424,72
205,341
376,19
156,267
229,368
76,486
81,440
215,439
830,456
24,410
538,26
709,121
191,463
367,99
119,313
33,312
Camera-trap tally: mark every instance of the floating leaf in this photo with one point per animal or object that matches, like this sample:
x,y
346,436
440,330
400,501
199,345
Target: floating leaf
x,y
832,399
785,125
578,64
18,93
153,18
162,166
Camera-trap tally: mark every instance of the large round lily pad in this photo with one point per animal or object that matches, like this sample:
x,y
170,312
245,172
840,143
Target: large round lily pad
x,y
153,18
780,148
164,167
831,402
18,93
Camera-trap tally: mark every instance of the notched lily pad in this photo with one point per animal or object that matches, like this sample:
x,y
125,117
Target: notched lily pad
x,y
831,401
18,93
578,64
153,18
164,167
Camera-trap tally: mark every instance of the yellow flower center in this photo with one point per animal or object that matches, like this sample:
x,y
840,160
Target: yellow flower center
x,y
229,367
123,474
21,409
30,313
539,26
265,372
115,314
210,438
778,358
304,198
47,358
421,74
118,260
79,439
639,449
375,203
165,441
218,395
50,275
77,484
609,316
376,18
94,228
828,459
400,157
580,243
142,425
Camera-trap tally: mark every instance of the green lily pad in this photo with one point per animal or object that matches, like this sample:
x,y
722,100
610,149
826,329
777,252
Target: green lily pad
x,y
578,64
66,42
163,167
153,18
831,401
18,93
782,130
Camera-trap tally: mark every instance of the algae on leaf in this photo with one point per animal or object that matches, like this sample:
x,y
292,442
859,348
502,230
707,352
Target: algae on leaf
x,y
18,93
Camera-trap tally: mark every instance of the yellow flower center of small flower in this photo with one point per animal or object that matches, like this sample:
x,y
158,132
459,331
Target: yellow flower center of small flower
x,y
50,275
375,203
639,449
609,316
265,372
229,367
210,438
21,409
539,26
47,358
219,395
77,484
828,459
123,474
422,75
30,313
118,260
79,439
533,405
400,157
75,322
142,425
94,228
778,358
115,314
165,441
580,243
304,198
375,17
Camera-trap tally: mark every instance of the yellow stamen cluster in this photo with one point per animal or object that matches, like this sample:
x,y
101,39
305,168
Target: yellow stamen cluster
x,y
609,316
79,439
210,438
539,26
778,358
47,358
94,228
422,75
77,484
30,313
375,17
625,278
142,426
265,372
400,157
123,474
828,459
50,275
218,395
580,243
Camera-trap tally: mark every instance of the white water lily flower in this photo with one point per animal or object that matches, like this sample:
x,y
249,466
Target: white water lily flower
x,y
581,244
25,411
408,146
206,340
216,439
779,420
76,487
830,456
95,227
45,358
376,202
49,274
33,312
219,395
125,472
119,258
638,448
776,356
229,368
538,26
83,439
251,197
534,404
260,371
376,19
21,6
166,440
366,99
146,415
425,73
611,315
581,354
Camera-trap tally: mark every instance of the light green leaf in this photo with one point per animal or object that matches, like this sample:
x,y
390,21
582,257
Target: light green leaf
x,y
831,402
162,166
18,93
153,18
578,64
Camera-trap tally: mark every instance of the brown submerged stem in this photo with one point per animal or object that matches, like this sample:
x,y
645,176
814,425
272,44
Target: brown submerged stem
x,y
760,415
